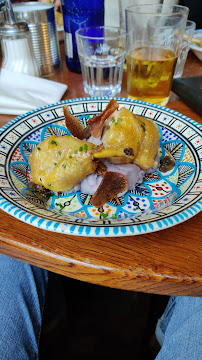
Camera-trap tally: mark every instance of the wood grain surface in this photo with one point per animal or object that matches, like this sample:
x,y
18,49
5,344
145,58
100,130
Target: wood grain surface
x,y
163,262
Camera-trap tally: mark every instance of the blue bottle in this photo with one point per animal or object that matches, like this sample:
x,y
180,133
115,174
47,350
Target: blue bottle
x,y
78,14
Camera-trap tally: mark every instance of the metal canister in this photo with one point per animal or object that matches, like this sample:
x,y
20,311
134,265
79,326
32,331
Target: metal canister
x,y
41,21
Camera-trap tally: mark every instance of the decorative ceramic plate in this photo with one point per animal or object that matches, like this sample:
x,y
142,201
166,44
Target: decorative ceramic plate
x,y
196,48
162,200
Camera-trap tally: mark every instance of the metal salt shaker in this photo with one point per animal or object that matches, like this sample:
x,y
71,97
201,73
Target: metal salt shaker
x,y
16,44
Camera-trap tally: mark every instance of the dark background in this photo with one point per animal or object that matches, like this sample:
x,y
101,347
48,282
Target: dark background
x,y
195,11
86,321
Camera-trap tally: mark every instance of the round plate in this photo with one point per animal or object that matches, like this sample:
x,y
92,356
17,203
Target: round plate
x,y
196,48
161,201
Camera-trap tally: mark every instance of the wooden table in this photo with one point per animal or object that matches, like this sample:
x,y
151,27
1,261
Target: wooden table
x,y
164,262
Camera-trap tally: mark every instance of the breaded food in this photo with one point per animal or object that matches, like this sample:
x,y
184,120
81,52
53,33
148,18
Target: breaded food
x,y
137,137
60,162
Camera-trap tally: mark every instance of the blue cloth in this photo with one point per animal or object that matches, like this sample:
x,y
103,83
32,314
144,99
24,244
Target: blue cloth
x,y
22,295
179,330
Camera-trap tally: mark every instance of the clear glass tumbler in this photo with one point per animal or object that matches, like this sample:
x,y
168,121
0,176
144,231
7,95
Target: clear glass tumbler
x,y
154,34
101,53
184,48
123,4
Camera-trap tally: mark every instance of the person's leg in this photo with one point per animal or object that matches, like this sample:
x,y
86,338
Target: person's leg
x,y
22,295
179,331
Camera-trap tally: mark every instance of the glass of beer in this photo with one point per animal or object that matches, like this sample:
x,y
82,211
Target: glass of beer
x,y
154,33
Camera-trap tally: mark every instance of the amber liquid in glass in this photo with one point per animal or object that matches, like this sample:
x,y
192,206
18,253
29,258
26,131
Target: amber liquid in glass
x,y
150,73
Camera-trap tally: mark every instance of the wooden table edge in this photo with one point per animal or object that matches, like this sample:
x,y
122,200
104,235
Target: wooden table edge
x,y
131,278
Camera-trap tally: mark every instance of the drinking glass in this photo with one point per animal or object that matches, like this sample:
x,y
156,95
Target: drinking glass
x,y
154,34
123,4
101,52
184,48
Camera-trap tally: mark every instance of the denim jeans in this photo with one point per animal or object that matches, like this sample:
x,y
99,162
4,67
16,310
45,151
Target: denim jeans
x,y
179,330
22,295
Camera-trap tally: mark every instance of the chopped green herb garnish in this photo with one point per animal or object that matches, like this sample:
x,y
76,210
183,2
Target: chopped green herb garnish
x,y
63,165
54,142
85,147
143,126
138,142
70,157
76,151
103,215
113,120
81,149
114,216
119,119
39,148
59,152
49,184
115,123
55,163
95,147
